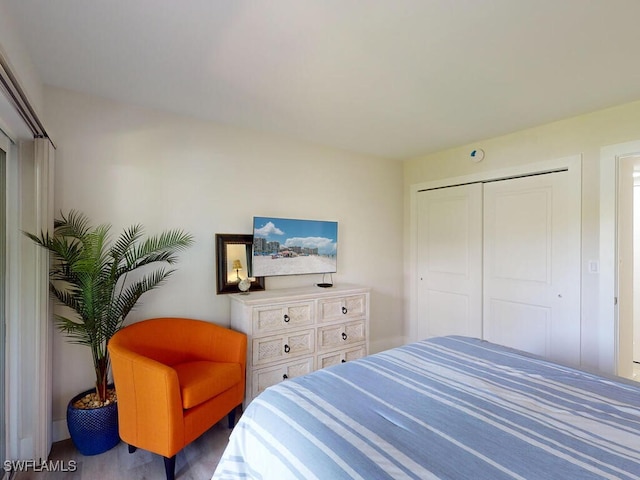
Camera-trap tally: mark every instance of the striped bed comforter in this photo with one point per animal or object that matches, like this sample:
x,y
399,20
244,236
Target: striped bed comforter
x,y
443,408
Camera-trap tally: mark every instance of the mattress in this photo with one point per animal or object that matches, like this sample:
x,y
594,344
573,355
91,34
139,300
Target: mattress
x,y
443,408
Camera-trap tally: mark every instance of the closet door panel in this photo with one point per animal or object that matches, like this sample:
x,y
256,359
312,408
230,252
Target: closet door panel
x,y
518,325
449,313
450,261
531,278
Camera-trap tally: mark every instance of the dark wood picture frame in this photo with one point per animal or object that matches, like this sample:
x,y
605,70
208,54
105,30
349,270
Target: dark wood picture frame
x,y
223,241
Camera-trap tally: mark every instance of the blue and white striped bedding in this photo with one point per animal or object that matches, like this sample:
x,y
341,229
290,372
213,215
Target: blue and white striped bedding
x,y
443,408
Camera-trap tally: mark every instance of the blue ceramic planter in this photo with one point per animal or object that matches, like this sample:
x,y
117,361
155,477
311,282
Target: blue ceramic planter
x,y
93,431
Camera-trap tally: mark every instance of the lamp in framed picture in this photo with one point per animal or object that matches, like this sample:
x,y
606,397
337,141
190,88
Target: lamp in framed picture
x,y
237,266
233,264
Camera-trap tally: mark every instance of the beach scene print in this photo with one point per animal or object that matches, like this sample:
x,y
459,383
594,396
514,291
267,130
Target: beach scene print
x,y
293,247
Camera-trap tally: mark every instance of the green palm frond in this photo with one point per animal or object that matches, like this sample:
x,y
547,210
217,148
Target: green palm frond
x,y
126,242
89,274
162,248
74,225
134,291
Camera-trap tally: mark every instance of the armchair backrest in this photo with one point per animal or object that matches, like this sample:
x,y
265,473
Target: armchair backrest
x,y
176,340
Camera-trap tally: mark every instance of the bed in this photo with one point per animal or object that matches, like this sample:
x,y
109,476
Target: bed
x,y
443,408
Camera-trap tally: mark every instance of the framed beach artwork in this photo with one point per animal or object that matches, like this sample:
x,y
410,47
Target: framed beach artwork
x,y
283,246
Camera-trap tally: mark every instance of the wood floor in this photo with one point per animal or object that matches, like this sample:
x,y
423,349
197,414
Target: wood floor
x,y
197,461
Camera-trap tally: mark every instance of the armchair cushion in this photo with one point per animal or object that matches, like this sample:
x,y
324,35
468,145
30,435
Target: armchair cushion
x,y
201,380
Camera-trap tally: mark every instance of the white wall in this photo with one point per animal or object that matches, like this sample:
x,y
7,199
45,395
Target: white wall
x,y
583,135
123,164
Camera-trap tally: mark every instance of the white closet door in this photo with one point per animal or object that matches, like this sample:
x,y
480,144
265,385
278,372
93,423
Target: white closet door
x,y
532,266
450,261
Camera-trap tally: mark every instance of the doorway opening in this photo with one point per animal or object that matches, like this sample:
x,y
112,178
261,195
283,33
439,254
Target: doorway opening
x,y
629,263
636,271
616,282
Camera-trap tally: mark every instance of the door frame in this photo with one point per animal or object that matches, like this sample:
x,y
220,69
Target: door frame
x,y
5,147
609,331
572,164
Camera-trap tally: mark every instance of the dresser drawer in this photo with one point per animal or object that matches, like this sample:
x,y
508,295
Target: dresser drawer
x,y
331,337
342,308
277,348
270,318
342,356
265,377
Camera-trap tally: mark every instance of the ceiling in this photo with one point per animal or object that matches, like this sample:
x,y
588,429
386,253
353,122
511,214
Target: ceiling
x,y
389,78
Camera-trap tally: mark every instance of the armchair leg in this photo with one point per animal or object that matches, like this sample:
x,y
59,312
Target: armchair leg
x,y
170,467
132,448
232,416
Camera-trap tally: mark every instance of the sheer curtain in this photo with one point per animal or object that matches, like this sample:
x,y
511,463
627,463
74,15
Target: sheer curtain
x,y
28,318
28,190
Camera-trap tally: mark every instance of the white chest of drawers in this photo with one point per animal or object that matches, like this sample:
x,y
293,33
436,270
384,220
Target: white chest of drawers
x,y
295,331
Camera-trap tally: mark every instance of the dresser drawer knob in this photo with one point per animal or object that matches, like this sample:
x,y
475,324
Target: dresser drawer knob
x,y
344,336
286,318
285,376
344,310
344,361
287,349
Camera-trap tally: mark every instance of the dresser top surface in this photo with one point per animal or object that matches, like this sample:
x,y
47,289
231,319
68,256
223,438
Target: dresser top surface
x,y
301,293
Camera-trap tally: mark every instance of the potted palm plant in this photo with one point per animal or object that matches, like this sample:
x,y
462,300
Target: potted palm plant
x,y
101,281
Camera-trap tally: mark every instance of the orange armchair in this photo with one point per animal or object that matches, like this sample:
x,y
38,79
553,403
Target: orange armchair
x,y
175,378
